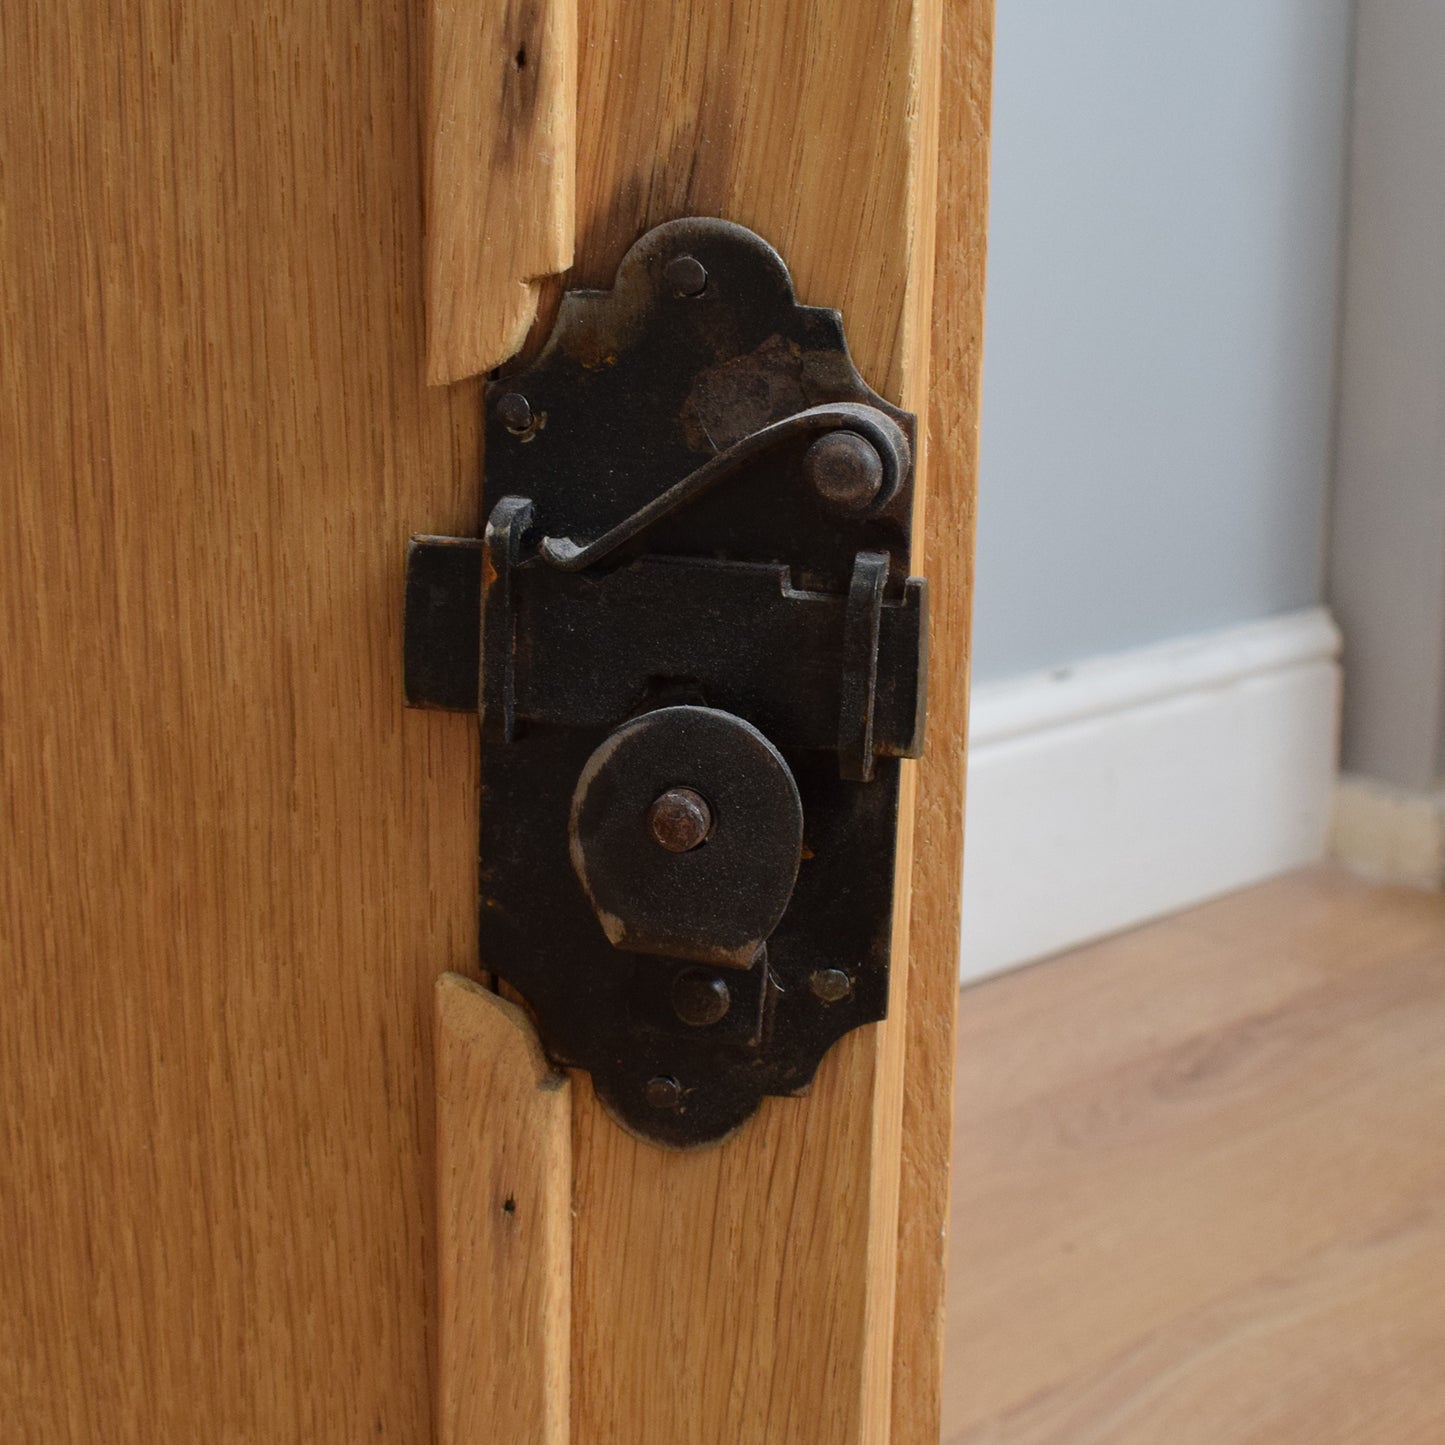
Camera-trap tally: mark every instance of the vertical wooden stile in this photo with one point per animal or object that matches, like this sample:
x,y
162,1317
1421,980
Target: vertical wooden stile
x,y
504,1225
745,1293
501,115
947,530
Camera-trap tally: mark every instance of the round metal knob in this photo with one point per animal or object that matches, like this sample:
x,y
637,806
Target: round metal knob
x,y
514,411
680,819
663,1092
845,470
700,998
686,275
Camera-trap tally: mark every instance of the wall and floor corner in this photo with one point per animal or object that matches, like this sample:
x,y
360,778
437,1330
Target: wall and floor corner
x,y
1157,683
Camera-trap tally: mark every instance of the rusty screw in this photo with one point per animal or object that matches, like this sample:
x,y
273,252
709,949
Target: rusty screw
x,y
662,1092
686,275
830,985
680,819
514,411
700,998
844,469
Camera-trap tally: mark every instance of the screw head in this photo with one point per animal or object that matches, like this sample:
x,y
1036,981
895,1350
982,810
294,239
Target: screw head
x,y
845,470
686,275
700,998
830,985
680,820
662,1092
514,411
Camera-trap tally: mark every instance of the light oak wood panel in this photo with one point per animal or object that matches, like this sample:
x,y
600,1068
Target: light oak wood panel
x,y
948,530
231,868
1200,1178
504,1230
501,116
745,1293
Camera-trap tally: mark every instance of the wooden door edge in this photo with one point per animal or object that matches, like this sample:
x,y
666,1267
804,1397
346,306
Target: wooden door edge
x,y
947,538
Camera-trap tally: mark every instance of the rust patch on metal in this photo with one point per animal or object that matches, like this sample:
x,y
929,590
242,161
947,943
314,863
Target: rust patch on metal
x,y
731,401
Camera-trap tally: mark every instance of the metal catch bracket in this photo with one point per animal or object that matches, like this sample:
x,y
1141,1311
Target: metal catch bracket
x,y
698,656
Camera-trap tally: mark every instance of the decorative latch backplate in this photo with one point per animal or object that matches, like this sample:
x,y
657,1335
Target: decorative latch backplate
x,y
698,655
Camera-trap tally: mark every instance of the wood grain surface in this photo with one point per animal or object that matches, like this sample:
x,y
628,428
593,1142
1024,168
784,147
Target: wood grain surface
x,y
504,1225
746,1293
1201,1183
501,117
232,867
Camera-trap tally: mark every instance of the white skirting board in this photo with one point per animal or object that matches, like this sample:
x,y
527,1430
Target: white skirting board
x,y
1126,787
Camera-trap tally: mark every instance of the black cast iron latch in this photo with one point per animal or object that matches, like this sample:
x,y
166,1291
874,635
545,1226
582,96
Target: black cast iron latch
x,y
698,655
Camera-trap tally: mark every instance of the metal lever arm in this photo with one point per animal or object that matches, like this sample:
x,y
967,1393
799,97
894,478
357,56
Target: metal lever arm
x,y
875,426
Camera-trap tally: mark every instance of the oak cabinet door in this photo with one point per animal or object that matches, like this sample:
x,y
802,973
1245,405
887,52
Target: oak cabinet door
x,y
235,868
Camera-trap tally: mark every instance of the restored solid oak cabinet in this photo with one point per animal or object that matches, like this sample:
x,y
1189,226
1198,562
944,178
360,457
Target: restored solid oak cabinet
x,y
265,1178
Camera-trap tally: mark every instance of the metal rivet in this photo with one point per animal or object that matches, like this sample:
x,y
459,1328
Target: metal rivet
x,y
700,998
844,469
686,275
662,1092
514,411
680,819
831,985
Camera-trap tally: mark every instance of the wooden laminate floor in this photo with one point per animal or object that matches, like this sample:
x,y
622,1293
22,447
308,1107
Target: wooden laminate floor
x,y
1199,1190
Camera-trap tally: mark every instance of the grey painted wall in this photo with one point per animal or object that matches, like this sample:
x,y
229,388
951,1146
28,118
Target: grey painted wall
x,y
1387,554
1159,353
